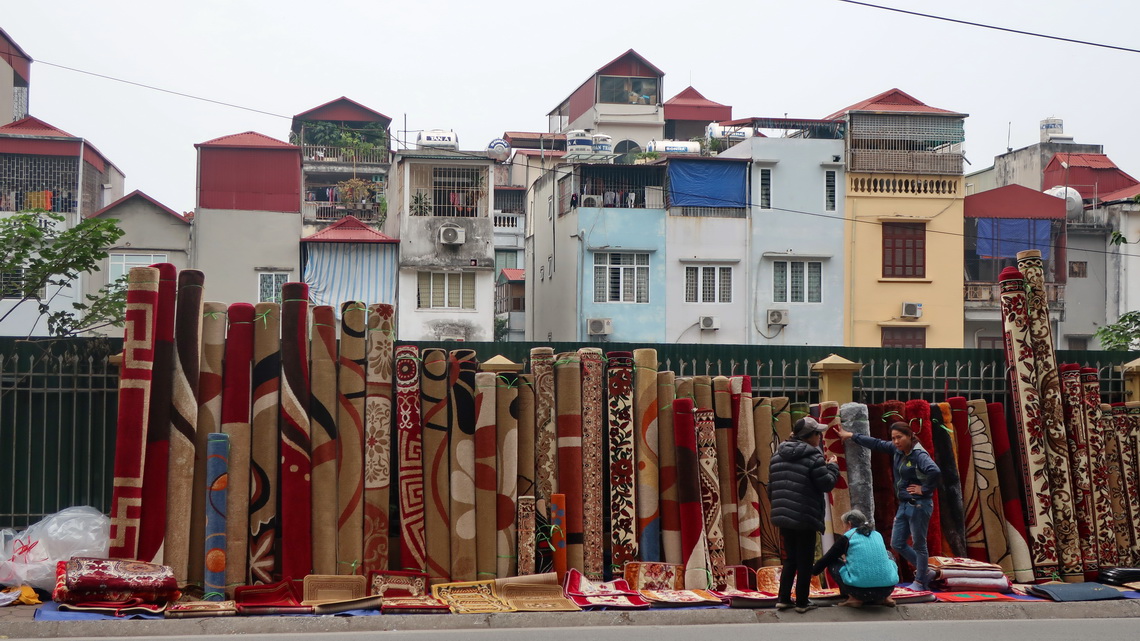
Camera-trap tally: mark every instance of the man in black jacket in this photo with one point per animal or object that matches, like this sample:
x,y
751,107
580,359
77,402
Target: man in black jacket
x,y
798,477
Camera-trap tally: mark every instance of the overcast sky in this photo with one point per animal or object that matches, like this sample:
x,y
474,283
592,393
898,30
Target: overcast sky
x,y
482,68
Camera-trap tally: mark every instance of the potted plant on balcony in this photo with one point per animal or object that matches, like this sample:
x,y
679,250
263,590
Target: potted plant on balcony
x,y
421,204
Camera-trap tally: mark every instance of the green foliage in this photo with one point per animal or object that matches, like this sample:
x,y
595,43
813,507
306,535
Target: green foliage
x,y
500,329
421,204
1123,335
40,258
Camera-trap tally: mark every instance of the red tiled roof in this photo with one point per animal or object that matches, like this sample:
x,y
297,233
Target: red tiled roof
x,y
690,97
348,230
895,100
691,105
1126,193
32,126
246,140
539,152
1014,201
139,194
514,275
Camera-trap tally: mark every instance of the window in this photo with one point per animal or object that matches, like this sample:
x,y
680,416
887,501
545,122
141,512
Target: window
x,y
1078,269
506,259
1079,342
12,285
621,277
627,90
446,290
708,284
904,250
829,190
448,191
765,189
118,265
797,281
906,337
269,286
991,342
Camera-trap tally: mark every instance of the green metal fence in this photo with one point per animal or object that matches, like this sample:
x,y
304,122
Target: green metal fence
x,y
58,399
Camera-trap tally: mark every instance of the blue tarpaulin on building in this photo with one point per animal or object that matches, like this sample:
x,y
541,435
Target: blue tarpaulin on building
x,y
1004,237
708,183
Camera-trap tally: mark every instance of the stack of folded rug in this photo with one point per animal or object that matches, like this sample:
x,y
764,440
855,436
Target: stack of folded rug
x,y
953,573
120,588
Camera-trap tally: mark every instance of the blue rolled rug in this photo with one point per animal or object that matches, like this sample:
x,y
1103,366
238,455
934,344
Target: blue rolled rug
x,y
217,480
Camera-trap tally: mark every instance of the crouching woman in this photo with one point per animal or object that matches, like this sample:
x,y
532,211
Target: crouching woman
x,y
860,563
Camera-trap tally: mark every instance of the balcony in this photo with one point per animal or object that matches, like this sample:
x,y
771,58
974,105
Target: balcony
x,y
326,212
980,295
344,155
896,161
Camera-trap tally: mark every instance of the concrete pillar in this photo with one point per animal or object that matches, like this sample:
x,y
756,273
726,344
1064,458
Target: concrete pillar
x,y
836,376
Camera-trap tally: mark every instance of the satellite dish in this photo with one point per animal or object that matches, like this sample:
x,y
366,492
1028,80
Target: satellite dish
x,y
498,149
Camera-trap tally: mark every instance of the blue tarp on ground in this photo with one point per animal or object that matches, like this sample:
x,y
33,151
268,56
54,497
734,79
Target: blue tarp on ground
x,y
708,183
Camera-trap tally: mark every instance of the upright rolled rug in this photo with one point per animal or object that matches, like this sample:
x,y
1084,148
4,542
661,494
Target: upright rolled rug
x,y
667,469
882,476
378,435
323,428
134,402
183,422
725,459
622,461
217,468
710,494
546,434
156,468
747,472
859,484
986,480
782,418
525,485
839,499
558,534
766,442
1129,474
486,474
209,422
568,412
296,467
645,426
703,393
593,409
1022,361
971,501
462,366
507,459
1073,395
351,392
1016,532
1116,472
1052,416
1103,508
266,409
437,478
694,546
409,431
952,519
236,392
526,536
917,414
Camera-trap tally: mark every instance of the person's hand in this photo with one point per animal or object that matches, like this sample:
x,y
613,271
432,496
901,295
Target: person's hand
x,y
844,434
831,458
915,489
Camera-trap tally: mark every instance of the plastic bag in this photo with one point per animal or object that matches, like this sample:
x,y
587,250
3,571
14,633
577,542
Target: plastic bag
x,y
29,557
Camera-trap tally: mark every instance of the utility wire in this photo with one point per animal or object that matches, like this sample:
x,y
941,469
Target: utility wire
x,y
990,26
725,202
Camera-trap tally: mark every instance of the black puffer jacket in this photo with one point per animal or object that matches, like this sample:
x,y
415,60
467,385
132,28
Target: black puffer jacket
x,y
797,480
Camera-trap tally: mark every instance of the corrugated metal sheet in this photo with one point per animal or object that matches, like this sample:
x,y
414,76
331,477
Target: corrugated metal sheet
x,y
342,109
250,179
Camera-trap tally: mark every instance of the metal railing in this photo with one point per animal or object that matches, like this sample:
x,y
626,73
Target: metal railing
x,y
709,212
330,212
991,293
326,153
508,221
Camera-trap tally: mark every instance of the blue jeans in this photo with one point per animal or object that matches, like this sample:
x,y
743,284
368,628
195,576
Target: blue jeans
x,y
913,521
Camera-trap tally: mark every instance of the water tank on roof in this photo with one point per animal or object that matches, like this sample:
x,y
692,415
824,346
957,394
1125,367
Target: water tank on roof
x,y
437,139
1052,128
603,144
498,149
1074,205
673,147
579,142
715,131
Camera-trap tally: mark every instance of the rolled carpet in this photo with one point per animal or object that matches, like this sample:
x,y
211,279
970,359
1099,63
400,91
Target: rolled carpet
x,y
568,412
183,422
486,475
1073,396
859,481
645,429
694,546
971,501
463,365
725,459
558,534
437,478
882,475
378,435
839,499
952,521
747,472
209,422
265,441
1126,419
351,392
507,458
991,511
236,394
526,540
667,469
217,468
545,449
1103,509
1011,493
323,428
766,442
918,414
593,408
525,485
622,462
134,401
296,550
156,467
409,429
710,494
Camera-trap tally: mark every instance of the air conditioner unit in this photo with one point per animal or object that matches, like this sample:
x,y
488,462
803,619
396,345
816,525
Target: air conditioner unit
x,y
912,310
709,322
599,326
778,316
591,201
452,235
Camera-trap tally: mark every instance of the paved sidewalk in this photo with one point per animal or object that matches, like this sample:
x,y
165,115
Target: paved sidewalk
x,y
16,622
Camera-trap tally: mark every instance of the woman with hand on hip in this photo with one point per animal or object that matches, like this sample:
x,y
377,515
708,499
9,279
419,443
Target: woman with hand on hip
x,y
916,476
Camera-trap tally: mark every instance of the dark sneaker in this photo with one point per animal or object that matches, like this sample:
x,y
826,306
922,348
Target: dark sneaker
x,y
805,608
784,605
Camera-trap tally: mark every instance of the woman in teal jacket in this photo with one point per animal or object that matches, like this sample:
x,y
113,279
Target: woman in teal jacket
x,y
860,563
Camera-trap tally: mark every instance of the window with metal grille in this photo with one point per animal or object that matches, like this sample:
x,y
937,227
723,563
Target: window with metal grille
x,y
708,284
908,337
1078,269
269,286
904,250
829,190
797,281
118,265
765,189
448,191
621,277
445,290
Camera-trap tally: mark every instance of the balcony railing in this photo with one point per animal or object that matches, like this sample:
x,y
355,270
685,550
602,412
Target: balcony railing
x,y
325,153
508,221
990,294
905,162
330,212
